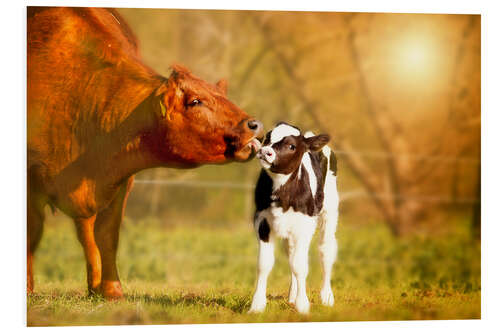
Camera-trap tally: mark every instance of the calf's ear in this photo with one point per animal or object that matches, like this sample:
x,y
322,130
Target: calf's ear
x,y
222,86
315,143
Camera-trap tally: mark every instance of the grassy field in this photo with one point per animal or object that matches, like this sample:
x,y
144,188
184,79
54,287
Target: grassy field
x,y
206,275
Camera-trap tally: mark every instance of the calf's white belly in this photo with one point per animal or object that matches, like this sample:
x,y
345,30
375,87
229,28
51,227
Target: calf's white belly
x,y
289,224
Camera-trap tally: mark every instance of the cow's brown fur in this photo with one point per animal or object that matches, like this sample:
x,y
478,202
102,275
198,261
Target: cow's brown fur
x,y
97,115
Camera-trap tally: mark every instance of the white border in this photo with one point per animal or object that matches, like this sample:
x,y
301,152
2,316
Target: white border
x,y
13,138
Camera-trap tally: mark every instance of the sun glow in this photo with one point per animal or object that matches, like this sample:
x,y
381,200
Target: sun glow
x,y
415,57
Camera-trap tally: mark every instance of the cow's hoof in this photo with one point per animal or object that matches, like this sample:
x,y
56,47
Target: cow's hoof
x,y
111,290
94,292
30,286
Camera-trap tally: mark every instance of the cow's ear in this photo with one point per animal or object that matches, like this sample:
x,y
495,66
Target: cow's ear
x,y
178,70
167,98
315,143
161,89
222,86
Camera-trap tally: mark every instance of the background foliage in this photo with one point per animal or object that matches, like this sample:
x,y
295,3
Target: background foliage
x,y
399,94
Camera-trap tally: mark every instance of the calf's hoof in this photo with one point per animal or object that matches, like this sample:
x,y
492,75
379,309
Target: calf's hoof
x,y
257,307
256,310
327,298
292,297
111,290
302,306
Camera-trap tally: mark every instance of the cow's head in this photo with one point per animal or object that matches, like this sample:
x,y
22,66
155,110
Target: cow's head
x,y
198,124
284,146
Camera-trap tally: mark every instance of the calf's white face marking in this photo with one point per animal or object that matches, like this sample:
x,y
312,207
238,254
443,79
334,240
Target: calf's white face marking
x,y
267,154
282,130
282,150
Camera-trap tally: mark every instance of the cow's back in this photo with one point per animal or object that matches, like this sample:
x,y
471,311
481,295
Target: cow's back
x,y
66,27
79,61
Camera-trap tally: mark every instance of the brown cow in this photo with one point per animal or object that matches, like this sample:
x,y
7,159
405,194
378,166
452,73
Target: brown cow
x,y
97,115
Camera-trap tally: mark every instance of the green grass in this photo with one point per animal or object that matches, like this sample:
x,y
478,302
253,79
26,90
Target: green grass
x,y
206,275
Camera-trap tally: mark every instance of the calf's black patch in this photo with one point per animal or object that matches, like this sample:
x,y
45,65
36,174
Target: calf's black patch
x,y
267,139
263,191
333,163
264,231
296,193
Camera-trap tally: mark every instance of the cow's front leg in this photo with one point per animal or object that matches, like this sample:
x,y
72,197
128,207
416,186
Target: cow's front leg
x,y
107,234
85,232
36,218
264,267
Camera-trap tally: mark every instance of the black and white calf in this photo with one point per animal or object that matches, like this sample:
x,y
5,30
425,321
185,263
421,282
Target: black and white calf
x,y
295,193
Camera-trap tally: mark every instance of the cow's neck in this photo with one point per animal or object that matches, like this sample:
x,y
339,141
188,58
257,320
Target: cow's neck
x,y
130,160
127,150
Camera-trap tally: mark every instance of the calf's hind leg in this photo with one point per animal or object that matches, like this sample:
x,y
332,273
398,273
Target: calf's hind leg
x,y
328,254
292,293
299,250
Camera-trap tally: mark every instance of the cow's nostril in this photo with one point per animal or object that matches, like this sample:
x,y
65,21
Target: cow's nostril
x,y
254,125
268,153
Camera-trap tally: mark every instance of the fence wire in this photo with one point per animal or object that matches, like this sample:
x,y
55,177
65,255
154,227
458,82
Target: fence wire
x,y
344,196
418,157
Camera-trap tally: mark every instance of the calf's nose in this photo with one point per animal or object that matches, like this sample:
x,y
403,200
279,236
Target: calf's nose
x,y
255,125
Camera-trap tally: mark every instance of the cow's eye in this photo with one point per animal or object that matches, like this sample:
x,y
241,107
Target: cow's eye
x,y
194,102
292,147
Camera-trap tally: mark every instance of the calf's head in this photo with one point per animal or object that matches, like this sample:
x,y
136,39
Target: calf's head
x,y
198,124
284,146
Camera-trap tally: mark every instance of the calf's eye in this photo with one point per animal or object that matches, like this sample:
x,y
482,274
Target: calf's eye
x,y
292,147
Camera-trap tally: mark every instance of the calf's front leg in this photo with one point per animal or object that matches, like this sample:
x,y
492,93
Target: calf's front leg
x,y
292,294
264,267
